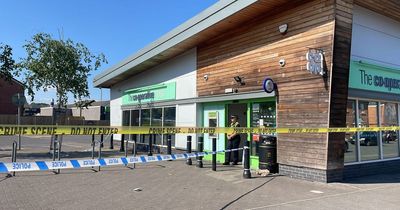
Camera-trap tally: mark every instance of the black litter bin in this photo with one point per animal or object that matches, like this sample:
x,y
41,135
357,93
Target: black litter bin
x,y
267,154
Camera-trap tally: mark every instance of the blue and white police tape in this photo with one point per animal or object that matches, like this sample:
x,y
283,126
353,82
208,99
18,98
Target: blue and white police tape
x,y
68,164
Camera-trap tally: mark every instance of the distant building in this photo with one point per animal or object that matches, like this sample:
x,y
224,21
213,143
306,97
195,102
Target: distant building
x,y
98,110
33,108
7,90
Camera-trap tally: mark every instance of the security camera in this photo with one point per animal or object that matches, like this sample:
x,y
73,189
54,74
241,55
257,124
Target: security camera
x,y
282,62
205,77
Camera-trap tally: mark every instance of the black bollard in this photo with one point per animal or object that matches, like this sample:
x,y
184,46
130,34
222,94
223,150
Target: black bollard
x,y
126,146
169,145
200,149
93,145
150,152
59,151
134,145
93,149
101,140
99,155
134,149
122,146
13,156
214,155
112,141
246,161
189,149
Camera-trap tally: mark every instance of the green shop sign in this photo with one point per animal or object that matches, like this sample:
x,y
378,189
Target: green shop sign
x,y
372,77
148,94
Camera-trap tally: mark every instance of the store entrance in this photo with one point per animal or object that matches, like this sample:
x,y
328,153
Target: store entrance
x,y
241,111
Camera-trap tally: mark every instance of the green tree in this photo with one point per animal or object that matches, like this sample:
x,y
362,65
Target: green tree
x,y
7,63
60,64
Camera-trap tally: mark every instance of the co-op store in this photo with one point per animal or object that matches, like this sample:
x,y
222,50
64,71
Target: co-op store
x,y
333,64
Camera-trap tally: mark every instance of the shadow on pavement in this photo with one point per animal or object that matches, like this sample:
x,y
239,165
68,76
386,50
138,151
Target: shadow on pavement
x,y
238,198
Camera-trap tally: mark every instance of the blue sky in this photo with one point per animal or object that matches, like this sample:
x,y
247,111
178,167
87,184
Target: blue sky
x,y
115,28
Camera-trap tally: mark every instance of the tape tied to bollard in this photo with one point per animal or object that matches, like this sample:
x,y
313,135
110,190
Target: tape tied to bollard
x,y
85,163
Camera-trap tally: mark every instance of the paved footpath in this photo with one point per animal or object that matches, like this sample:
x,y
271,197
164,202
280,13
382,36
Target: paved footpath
x,y
174,185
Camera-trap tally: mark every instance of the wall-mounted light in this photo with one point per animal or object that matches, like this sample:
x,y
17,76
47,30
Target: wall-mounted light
x,y
239,80
283,28
269,85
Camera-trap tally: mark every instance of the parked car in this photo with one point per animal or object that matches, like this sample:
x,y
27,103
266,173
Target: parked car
x,y
367,138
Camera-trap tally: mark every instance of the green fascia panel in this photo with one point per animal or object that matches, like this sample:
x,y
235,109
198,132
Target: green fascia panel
x,y
254,162
148,94
372,77
220,157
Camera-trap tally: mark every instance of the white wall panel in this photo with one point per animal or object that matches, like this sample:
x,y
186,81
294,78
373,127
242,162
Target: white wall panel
x,y
186,116
375,38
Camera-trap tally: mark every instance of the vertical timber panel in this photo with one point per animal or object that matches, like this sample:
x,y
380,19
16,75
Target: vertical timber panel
x,y
339,86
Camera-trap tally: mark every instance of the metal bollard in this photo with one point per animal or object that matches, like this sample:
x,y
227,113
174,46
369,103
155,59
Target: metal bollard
x,y
55,139
112,141
93,149
93,145
150,145
19,141
189,149
126,146
55,148
134,149
59,151
169,145
246,161
101,140
14,155
200,147
214,155
99,155
121,148
134,145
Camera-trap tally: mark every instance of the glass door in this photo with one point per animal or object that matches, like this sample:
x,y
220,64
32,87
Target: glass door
x,y
263,114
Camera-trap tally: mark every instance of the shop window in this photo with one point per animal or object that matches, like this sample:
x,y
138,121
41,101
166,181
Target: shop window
x,y
134,122
145,121
369,141
156,121
125,118
262,115
350,150
389,138
169,121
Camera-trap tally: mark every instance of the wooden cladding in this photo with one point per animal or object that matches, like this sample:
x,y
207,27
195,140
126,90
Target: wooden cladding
x,y
253,52
340,80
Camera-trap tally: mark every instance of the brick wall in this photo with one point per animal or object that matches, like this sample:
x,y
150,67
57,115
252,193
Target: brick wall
x,y
311,174
7,90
